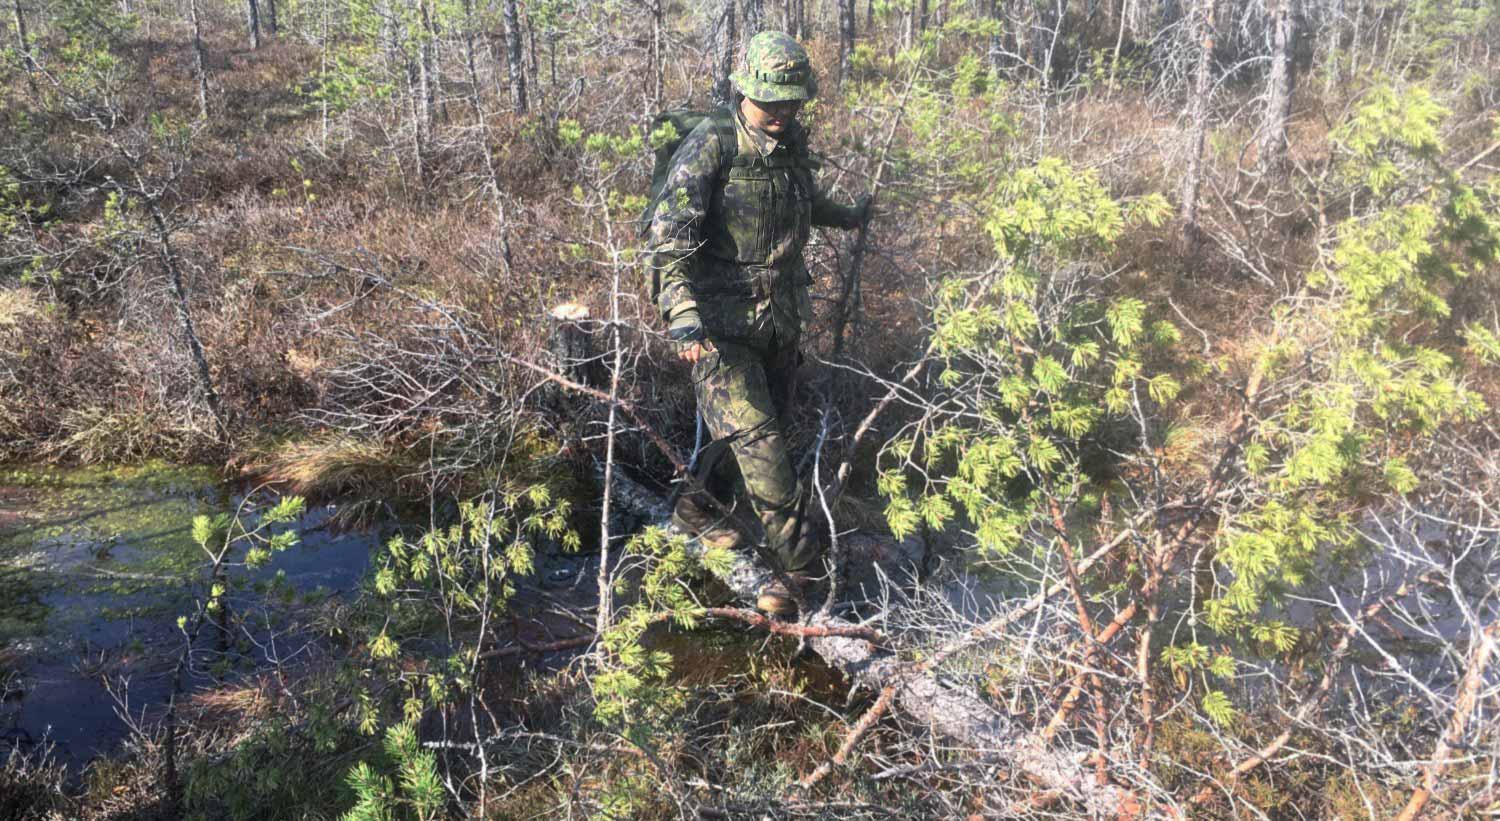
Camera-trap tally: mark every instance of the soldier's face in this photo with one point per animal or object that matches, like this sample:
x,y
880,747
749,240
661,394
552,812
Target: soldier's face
x,y
772,118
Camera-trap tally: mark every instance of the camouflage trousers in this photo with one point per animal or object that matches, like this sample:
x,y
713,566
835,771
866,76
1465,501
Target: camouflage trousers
x,y
743,389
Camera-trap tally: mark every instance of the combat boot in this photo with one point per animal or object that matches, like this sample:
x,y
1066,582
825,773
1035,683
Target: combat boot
x,y
777,600
696,521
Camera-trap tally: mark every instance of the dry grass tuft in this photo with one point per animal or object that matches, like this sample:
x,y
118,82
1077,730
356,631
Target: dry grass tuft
x,y
16,306
335,465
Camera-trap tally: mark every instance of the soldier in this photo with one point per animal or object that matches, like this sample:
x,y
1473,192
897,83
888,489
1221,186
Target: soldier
x,y
726,240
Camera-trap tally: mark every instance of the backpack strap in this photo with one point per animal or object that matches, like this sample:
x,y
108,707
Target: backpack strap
x,y
729,137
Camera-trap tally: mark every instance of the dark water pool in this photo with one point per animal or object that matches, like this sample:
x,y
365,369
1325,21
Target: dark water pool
x,y
96,566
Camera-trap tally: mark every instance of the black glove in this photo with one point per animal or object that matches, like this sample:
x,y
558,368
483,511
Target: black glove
x,y
686,333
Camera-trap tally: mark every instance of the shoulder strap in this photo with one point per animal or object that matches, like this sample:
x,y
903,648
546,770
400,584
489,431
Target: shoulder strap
x,y
729,136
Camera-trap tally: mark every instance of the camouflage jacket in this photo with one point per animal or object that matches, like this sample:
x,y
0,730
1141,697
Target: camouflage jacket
x,y
724,245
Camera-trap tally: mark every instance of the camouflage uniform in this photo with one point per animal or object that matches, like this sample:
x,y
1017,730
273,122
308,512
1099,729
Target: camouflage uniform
x,y
726,252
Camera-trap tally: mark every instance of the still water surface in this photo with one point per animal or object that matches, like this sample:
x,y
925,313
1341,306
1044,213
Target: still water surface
x,y
97,564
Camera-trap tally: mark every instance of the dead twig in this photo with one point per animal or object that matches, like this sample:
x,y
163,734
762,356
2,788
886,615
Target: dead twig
x,y
856,733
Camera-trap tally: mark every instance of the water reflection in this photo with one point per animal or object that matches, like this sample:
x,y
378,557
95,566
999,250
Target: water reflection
x,y
95,567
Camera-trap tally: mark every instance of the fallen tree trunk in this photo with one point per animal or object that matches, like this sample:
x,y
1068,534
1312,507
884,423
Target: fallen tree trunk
x,y
951,711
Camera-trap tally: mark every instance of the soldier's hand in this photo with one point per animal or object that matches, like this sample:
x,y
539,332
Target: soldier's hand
x,y
693,351
692,344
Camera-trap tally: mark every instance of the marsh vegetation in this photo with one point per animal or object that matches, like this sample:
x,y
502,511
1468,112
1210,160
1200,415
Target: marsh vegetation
x,y
1154,414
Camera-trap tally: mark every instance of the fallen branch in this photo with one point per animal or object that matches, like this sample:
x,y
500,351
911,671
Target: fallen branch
x,y
856,733
953,712
522,646
801,631
1458,723
750,617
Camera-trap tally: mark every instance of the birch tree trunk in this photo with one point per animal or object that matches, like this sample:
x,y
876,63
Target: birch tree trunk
x,y
514,59
23,45
426,68
724,55
199,58
1114,62
1193,180
658,65
1282,21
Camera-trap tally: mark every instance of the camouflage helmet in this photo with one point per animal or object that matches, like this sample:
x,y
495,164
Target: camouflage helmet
x,y
776,69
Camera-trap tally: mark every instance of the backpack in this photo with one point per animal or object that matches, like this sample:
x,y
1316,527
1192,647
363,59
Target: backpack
x,y
684,120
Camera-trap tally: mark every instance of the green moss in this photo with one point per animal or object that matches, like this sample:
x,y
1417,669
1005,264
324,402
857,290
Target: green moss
x,y
157,475
22,611
102,532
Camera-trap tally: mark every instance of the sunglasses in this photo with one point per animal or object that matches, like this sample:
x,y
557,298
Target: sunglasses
x,y
781,106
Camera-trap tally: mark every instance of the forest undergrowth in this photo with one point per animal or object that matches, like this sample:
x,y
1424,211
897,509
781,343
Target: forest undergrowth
x,y
1172,349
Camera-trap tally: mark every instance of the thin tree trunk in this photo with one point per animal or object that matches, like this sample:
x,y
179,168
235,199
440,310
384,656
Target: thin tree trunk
x,y
1359,19
323,69
173,265
1047,34
605,615
23,44
847,33
426,75
1114,62
199,59
755,18
252,17
724,55
997,43
530,42
1193,180
1330,32
400,35
272,26
658,65
1155,572
471,65
1282,19
514,59
501,223
439,98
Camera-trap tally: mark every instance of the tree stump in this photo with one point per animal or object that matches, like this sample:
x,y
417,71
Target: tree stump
x,y
570,344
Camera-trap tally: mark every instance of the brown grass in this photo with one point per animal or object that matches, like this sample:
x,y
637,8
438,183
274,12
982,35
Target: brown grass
x,y
334,465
